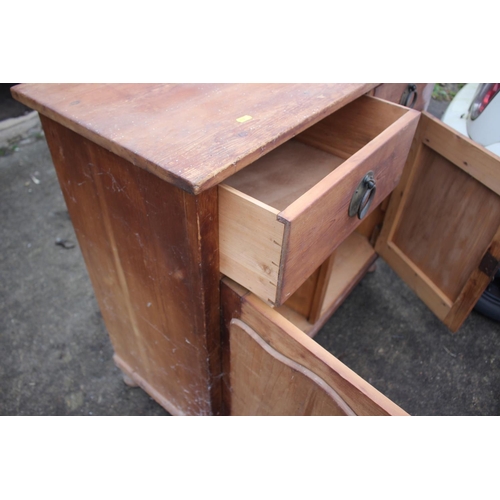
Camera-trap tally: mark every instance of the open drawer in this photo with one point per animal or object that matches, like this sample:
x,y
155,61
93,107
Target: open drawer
x,y
283,215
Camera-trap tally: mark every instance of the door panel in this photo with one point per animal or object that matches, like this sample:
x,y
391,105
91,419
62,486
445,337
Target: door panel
x,y
264,382
274,368
443,221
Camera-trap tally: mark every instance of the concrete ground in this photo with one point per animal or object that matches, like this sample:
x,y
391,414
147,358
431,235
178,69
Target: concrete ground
x,y
56,359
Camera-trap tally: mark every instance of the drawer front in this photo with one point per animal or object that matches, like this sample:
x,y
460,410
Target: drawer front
x,y
400,93
318,222
273,244
273,368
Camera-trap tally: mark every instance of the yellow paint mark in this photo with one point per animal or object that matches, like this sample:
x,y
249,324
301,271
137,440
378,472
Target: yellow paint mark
x,y
243,119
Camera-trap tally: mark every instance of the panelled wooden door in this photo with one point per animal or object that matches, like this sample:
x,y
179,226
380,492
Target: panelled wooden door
x,y
273,368
441,233
283,386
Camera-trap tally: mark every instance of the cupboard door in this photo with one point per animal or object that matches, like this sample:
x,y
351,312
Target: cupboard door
x,y
273,368
441,233
264,382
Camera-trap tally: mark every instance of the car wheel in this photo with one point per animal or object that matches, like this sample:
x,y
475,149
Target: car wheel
x,y
489,303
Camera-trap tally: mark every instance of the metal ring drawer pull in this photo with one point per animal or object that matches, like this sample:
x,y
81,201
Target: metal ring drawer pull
x,y
410,92
363,196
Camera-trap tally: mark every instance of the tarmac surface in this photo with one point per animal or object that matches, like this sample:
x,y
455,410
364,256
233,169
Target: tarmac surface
x,y
56,358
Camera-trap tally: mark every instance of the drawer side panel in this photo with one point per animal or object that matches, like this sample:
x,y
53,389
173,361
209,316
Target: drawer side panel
x,y
250,242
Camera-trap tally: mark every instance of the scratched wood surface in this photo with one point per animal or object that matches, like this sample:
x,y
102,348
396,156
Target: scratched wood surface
x,y
151,251
192,135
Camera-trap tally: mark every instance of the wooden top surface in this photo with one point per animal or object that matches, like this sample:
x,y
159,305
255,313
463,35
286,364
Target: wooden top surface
x,y
191,135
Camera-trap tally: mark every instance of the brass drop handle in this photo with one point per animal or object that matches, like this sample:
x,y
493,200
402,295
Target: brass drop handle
x,y
363,196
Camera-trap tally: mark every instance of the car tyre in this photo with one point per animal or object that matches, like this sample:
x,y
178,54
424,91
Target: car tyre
x,y
489,302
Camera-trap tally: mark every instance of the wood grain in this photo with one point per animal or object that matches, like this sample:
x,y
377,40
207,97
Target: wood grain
x,y
452,246
188,134
351,128
441,221
151,251
284,174
264,382
318,222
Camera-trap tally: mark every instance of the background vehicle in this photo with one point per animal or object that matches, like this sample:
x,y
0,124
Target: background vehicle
x,y
475,113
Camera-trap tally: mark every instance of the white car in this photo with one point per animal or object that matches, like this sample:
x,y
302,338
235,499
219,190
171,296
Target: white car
x,y
475,113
